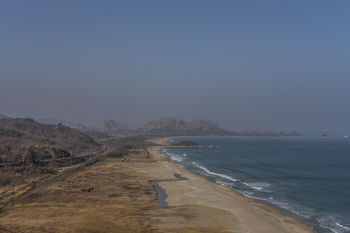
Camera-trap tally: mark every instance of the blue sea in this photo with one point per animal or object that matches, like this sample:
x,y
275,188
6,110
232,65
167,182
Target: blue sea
x,y
304,177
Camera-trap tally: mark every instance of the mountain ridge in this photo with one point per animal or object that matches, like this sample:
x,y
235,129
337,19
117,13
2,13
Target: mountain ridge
x,y
111,126
164,126
174,125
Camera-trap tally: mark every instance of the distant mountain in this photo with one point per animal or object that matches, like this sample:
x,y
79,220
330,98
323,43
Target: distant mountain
x,y
3,116
52,121
165,124
175,126
198,124
112,127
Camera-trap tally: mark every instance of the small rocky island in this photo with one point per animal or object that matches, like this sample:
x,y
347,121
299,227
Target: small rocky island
x,y
186,144
325,136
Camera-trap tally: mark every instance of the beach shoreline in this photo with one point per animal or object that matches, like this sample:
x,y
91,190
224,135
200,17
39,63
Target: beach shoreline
x,y
117,195
247,214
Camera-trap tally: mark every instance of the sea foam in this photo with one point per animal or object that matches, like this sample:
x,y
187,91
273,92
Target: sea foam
x,y
213,173
253,167
257,185
330,223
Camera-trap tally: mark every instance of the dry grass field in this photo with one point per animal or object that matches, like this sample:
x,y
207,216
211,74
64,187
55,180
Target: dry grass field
x,y
104,197
112,195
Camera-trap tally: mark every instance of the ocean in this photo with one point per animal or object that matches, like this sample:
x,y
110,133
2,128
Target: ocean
x,y
304,177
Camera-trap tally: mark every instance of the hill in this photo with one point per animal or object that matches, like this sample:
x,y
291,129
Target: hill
x,y
175,126
165,126
112,127
24,136
52,121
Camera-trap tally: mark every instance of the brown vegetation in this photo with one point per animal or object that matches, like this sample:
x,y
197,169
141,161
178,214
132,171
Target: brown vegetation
x,y
113,195
24,137
106,197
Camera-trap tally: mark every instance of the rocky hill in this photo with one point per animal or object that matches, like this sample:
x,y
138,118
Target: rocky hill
x,y
20,135
175,126
165,124
112,127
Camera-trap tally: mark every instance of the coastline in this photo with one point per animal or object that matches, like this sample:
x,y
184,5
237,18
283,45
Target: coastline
x,y
245,214
116,195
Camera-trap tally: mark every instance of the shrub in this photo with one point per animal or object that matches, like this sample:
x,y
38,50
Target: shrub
x,y
116,154
62,128
10,132
48,171
20,126
29,120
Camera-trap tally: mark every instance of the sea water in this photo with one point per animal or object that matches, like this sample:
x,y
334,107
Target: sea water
x,y
305,177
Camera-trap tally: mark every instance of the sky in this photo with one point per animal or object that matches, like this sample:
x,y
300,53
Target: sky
x,y
245,65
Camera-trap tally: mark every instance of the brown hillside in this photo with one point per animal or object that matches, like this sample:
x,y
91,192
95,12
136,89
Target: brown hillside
x,y
19,136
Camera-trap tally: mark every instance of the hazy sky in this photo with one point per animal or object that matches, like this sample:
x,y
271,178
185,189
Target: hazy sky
x,y
255,65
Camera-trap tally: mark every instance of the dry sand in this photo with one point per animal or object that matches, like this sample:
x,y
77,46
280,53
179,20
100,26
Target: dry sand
x,y
246,214
121,199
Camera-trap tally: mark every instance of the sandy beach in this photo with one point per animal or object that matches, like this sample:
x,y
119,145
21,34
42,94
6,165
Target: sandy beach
x,y
242,214
115,195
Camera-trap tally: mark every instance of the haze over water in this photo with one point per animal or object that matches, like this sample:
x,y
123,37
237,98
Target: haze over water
x,y
255,65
